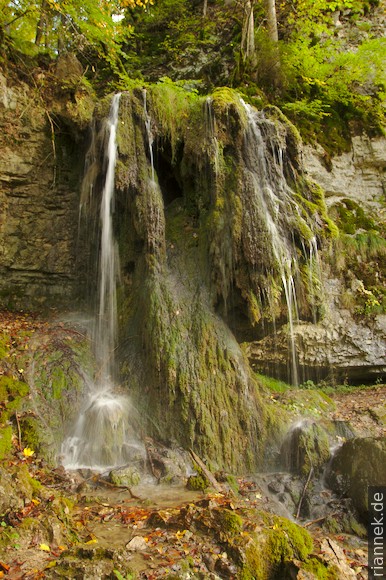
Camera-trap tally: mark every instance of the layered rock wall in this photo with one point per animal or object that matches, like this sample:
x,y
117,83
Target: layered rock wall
x,y
40,169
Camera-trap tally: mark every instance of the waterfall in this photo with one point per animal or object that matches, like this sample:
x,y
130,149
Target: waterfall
x,y
314,272
102,436
272,200
150,138
106,327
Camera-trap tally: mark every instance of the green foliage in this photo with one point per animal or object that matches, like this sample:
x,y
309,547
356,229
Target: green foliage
x,y
273,384
88,28
323,81
172,105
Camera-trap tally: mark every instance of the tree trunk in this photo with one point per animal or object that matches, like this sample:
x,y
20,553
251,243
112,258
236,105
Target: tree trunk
x,y
248,32
61,35
205,8
270,9
42,23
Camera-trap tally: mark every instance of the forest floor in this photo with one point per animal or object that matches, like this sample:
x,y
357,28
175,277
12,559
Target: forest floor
x,y
78,525
363,408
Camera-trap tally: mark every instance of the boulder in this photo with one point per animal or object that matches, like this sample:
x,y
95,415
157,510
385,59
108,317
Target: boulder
x,y
306,446
358,463
125,476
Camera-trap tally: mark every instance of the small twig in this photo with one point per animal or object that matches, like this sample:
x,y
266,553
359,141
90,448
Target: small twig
x,y
209,476
18,428
123,487
304,490
319,520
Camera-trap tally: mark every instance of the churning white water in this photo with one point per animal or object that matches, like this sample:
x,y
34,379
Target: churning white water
x,y
102,436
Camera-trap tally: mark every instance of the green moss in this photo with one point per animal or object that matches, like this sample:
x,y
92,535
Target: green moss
x,y
5,441
360,256
173,107
28,485
273,384
197,483
320,570
352,217
12,393
231,523
31,434
4,345
29,524
268,554
288,540
233,484
310,197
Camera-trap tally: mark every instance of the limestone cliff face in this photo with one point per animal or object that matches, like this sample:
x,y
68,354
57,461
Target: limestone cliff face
x,y
40,167
343,345
358,174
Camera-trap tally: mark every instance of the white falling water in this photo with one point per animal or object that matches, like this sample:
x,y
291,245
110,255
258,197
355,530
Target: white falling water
x,y
314,274
150,138
102,436
109,259
273,201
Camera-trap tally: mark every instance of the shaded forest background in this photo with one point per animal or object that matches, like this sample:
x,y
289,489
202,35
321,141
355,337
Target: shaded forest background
x,y
322,62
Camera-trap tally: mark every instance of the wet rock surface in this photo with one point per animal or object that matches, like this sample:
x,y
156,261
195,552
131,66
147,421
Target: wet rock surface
x,y
357,464
305,448
338,347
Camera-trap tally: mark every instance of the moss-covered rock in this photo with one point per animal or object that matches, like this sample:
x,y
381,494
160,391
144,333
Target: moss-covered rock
x,y
125,476
197,483
306,447
357,464
269,555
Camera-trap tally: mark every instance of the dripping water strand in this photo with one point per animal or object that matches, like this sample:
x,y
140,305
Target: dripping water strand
x,y
293,317
150,138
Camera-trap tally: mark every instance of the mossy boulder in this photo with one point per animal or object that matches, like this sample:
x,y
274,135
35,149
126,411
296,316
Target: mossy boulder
x,y
358,463
306,447
197,482
125,476
270,553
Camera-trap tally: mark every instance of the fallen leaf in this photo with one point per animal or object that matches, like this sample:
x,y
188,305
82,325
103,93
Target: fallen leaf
x,y
4,566
45,548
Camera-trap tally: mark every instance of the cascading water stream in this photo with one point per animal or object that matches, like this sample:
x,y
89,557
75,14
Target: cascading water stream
x,y
102,437
273,198
150,138
106,328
